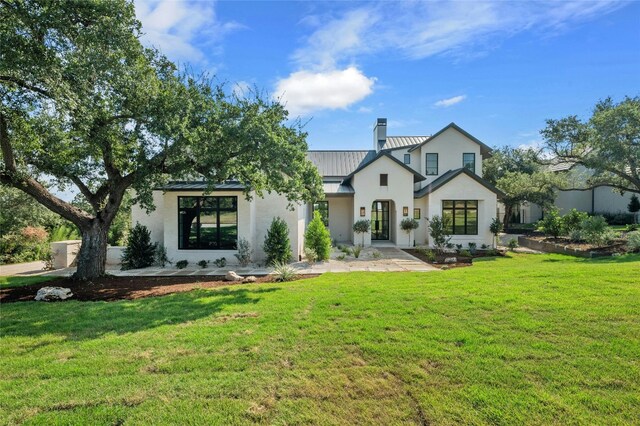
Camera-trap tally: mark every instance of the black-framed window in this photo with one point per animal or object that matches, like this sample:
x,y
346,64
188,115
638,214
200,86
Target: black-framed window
x,y
384,179
323,208
407,159
431,162
462,216
469,161
207,223
416,214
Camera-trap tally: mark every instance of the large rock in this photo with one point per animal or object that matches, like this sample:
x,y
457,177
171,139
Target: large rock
x,y
450,260
48,294
249,279
232,276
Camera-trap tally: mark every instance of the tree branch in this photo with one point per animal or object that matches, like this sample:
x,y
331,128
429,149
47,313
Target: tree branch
x,y
25,85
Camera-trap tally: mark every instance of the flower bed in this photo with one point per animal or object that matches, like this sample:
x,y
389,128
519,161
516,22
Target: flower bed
x,y
564,245
464,259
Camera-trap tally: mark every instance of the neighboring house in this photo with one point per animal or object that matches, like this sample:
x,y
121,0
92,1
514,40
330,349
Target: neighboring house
x,y
403,176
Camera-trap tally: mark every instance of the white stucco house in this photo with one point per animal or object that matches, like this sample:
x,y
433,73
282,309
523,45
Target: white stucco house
x,y
402,176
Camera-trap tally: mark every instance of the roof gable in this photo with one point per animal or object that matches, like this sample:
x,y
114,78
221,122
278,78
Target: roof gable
x,y
485,150
417,177
449,176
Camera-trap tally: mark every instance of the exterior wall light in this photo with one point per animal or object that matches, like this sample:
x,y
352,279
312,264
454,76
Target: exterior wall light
x,y
405,211
363,212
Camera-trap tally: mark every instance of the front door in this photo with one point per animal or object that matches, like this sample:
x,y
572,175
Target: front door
x,y
380,220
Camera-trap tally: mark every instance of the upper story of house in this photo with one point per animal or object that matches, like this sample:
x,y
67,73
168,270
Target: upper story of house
x,y
428,157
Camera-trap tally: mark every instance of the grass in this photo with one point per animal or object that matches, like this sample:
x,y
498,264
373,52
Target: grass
x,y
527,339
17,281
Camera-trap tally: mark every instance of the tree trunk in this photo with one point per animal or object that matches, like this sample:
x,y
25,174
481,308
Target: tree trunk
x,y
508,210
93,251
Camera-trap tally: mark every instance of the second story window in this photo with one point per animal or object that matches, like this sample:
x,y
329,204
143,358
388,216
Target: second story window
x,y
469,161
384,179
431,162
407,159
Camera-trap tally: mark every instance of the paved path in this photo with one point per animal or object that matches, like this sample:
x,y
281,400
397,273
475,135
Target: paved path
x,y
372,259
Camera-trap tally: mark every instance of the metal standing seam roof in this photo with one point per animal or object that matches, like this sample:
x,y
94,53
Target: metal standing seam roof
x,y
339,163
337,188
394,142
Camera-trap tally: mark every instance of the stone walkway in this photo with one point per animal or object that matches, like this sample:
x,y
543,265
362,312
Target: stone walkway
x,y
372,259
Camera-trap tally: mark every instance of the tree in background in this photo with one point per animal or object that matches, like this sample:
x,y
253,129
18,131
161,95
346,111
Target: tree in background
x,y
84,104
608,144
407,225
140,251
317,237
277,245
520,176
634,207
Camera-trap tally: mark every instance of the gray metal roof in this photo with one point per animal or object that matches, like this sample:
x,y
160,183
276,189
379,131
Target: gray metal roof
x,y
201,186
339,163
337,188
394,142
562,166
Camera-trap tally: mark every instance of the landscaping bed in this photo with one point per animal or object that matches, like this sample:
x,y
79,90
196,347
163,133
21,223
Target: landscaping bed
x,y
462,260
111,288
564,245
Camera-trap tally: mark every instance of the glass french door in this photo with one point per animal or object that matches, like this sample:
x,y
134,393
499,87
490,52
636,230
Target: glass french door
x,y
380,220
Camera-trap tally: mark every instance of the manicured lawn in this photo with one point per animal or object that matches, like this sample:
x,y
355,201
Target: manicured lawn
x,y
531,339
18,281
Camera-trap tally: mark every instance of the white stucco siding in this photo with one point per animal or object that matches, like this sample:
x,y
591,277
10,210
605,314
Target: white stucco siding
x,y
579,200
270,207
341,218
399,192
463,187
609,201
449,145
152,220
421,234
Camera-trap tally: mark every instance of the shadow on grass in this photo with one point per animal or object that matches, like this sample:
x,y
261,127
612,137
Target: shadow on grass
x,y
80,321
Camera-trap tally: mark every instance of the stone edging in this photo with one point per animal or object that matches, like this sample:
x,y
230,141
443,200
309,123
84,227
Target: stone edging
x,y
556,248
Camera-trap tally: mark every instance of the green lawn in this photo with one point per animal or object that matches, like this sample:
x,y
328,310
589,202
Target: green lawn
x,y
18,281
534,339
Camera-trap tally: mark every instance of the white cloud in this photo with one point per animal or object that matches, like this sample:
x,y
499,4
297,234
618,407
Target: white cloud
x,y
181,29
445,103
306,91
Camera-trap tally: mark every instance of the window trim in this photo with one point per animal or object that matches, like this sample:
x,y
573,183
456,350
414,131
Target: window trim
x,y
474,161
465,209
217,210
313,209
386,179
407,157
426,163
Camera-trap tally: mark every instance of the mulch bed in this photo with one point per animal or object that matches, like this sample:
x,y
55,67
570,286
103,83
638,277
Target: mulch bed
x,y
618,246
111,288
462,260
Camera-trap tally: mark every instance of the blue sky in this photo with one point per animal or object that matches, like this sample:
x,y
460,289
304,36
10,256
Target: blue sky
x,y
498,68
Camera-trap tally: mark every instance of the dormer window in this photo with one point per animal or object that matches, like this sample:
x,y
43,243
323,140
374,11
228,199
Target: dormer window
x,y
469,161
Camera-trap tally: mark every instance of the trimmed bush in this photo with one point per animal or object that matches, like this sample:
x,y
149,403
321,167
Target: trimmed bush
x,y
276,244
362,227
633,241
573,220
139,252
317,238
551,224
595,231
407,225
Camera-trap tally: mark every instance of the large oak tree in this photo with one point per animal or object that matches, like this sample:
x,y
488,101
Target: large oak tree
x,y
84,104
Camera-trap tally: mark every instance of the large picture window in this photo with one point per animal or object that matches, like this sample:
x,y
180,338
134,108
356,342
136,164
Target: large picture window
x,y
322,207
462,216
469,161
207,223
431,162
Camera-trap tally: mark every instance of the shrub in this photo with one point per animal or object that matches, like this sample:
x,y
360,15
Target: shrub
x,y
572,221
619,218
356,251
633,227
244,252
181,264
551,224
431,255
376,254
596,231
576,236
139,252
276,244
283,271
438,229
64,232
633,241
407,225
362,227
203,263
484,246
512,244
465,253
346,250
160,255
310,255
220,263
495,228
341,257
634,207
317,237
473,247
29,244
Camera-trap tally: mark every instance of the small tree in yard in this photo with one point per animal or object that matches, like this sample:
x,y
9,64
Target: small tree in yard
x,y
552,223
362,227
495,228
438,229
407,225
317,237
634,207
277,245
139,252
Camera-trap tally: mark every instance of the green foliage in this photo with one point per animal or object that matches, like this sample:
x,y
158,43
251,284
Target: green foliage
x,y
512,244
634,207
465,253
572,221
633,241
310,255
356,250
576,235
362,226
551,224
538,187
607,143
633,227
619,218
139,252
65,232
19,210
473,247
438,230
282,272
220,263
28,244
407,225
509,160
496,226
341,256
203,263
376,254
346,250
244,252
160,255
595,230
181,264
277,245
317,237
